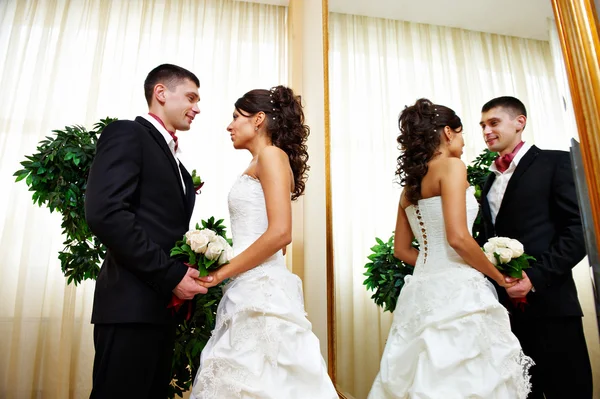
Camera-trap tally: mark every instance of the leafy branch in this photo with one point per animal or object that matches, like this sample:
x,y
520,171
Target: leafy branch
x,y
385,274
57,175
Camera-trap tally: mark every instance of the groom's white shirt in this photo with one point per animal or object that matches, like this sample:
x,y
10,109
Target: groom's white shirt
x,y
496,193
170,143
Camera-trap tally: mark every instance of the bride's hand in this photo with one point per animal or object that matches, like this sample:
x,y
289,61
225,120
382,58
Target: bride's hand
x,y
214,278
507,281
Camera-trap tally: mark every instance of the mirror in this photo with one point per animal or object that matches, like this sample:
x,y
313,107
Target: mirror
x,y
385,54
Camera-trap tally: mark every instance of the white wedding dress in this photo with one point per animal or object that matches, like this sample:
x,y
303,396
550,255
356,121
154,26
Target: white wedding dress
x,y
262,345
450,337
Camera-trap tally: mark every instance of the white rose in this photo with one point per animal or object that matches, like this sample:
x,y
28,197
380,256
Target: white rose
x,y
516,247
189,234
209,234
493,240
226,255
489,247
502,242
214,250
197,240
505,254
492,258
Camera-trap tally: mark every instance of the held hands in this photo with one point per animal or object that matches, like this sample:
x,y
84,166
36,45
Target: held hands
x,y
521,287
214,278
507,282
189,286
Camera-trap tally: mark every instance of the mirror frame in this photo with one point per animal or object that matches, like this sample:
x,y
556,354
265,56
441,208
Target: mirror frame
x,y
578,31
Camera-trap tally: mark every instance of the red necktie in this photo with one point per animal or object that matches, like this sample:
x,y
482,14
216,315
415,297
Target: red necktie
x,y
503,162
163,125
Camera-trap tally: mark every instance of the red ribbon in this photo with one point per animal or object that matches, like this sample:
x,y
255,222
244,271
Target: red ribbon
x,y
503,162
519,303
172,133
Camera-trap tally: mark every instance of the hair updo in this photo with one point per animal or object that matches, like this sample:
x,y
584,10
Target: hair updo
x,y
285,126
421,126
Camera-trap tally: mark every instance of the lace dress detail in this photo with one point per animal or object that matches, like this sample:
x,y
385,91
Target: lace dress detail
x,y
262,345
450,337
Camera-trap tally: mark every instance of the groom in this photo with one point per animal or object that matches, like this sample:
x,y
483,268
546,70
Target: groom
x,y
530,196
139,201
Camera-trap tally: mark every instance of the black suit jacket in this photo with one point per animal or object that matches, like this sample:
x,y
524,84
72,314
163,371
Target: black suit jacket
x,y
136,206
540,210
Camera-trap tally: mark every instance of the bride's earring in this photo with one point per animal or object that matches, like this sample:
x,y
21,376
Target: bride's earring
x,y
255,128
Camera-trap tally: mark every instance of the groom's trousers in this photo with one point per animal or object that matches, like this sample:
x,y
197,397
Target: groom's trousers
x,y
132,361
557,346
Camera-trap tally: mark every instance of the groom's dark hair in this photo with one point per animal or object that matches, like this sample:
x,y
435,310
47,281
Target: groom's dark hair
x,y
512,105
168,74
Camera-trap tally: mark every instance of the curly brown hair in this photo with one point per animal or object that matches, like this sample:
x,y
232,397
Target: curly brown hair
x,y
421,126
285,126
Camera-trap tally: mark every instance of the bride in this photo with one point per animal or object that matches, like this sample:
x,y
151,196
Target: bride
x,y
450,337
262,345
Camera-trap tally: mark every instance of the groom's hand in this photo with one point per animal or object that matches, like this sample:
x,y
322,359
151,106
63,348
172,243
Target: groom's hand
x,y
521,288
188,287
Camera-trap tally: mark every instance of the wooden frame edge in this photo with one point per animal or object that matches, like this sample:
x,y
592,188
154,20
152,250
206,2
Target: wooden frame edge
x,y
578,31
331,329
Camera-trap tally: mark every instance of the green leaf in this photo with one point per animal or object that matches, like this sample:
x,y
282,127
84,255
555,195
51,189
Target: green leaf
x,y
202,269
176,251
21,175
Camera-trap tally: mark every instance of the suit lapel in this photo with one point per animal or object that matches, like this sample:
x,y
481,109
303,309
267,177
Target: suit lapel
x,y
523,165
485,205
190,193
160,140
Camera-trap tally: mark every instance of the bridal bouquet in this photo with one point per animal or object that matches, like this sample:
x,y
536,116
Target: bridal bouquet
x,y
204,248
509,257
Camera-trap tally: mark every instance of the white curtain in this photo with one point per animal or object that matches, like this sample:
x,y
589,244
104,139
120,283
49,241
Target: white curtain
x,y
562,83
73,62
377,67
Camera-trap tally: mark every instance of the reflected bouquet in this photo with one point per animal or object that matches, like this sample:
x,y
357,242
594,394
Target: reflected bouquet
x,y
509,257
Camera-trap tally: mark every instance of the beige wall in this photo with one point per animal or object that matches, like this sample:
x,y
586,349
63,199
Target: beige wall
x,y
583,280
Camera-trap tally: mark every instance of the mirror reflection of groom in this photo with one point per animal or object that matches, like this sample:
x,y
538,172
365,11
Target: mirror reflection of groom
x,y
139,202
530,196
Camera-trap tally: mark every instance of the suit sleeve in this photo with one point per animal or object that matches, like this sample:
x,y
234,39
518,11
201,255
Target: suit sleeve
x,y
112,183
568,249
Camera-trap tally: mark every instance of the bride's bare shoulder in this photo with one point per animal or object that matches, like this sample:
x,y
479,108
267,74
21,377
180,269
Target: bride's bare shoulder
x,y
447,164
404,202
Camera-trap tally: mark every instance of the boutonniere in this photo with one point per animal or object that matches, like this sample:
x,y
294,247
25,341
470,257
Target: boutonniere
x,y
197,182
